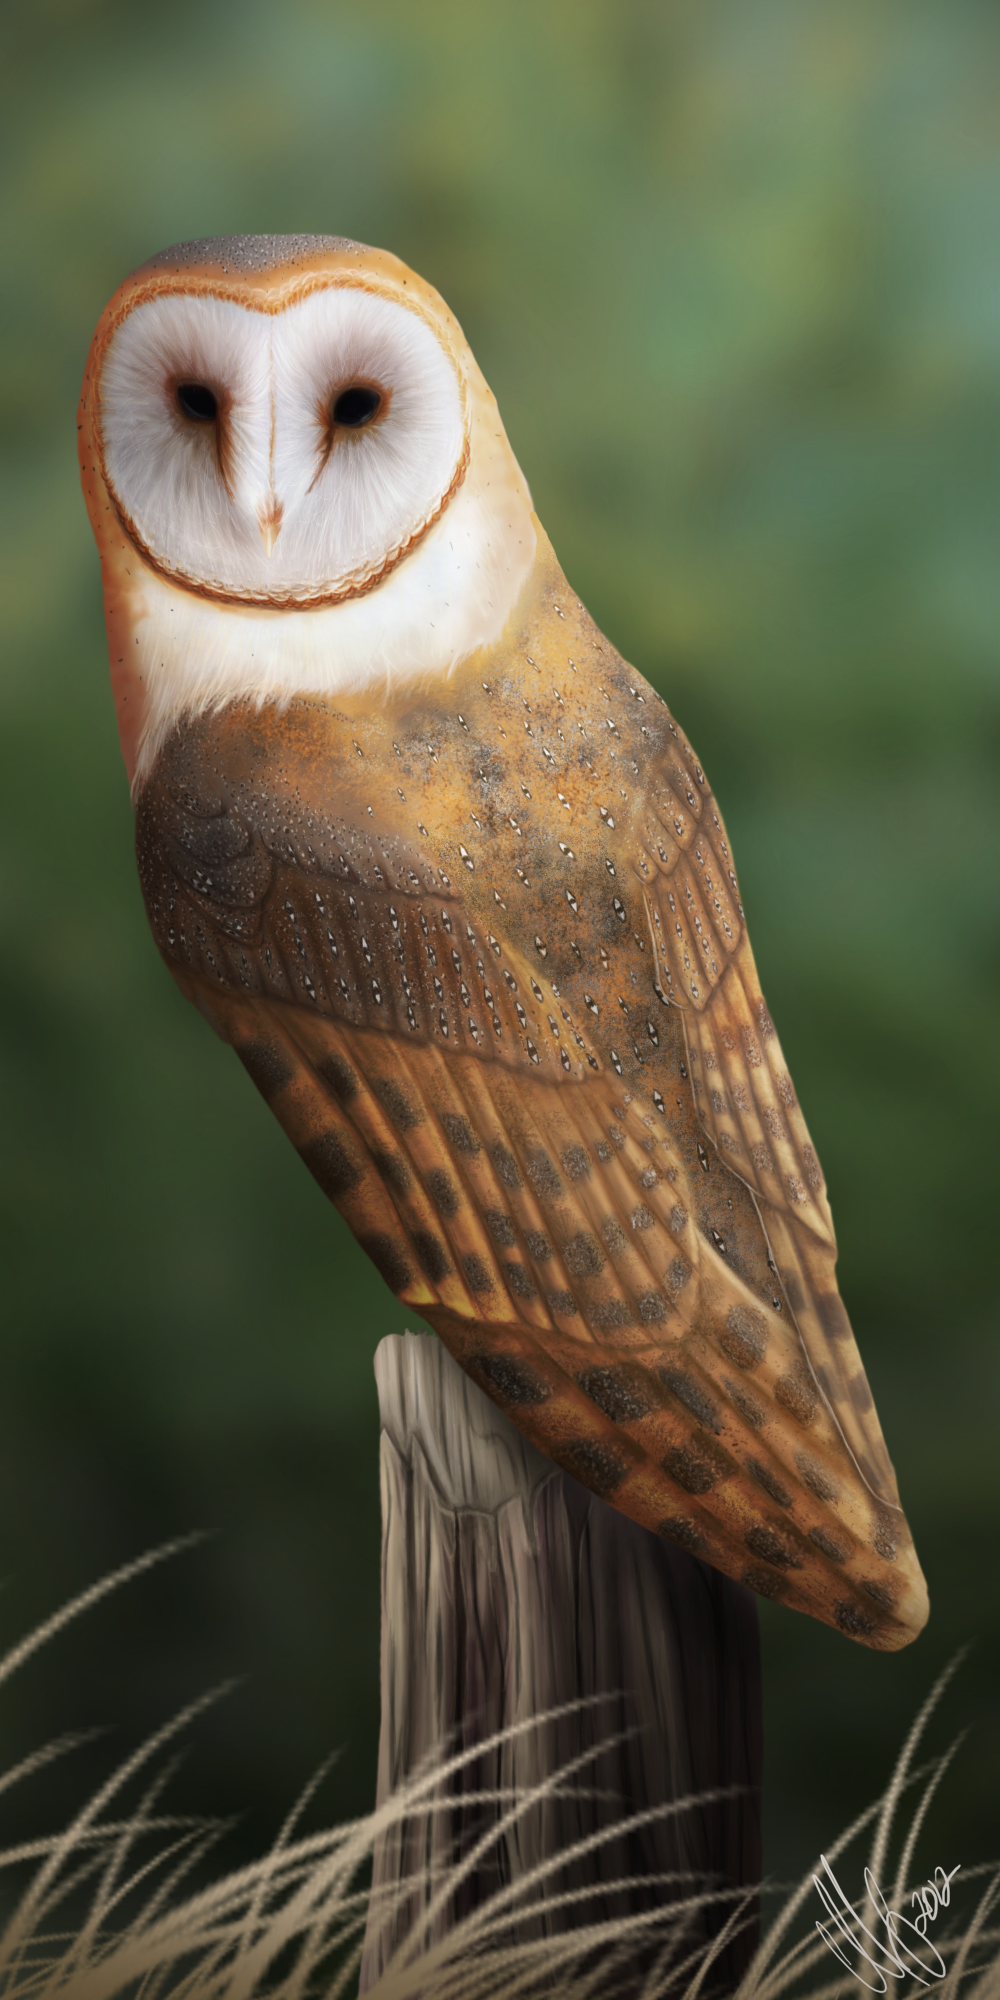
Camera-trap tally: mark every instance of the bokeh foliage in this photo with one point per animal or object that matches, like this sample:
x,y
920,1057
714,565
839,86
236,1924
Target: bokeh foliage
x,y
731,267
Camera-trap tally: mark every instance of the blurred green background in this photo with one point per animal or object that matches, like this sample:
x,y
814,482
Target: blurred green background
x,y
733,270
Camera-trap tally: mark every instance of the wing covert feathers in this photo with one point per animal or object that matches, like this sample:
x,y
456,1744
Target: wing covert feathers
x,y
418,929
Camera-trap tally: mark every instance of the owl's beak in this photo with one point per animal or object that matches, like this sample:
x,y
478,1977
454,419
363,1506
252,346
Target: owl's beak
x,y
269,517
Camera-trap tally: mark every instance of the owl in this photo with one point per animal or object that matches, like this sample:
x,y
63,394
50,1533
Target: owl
x,y
448,877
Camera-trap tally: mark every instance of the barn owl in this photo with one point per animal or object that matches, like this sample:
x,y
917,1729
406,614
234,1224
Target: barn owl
x,y
447,875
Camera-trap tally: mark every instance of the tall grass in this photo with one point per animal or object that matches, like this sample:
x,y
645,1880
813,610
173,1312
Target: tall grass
x,y
105,1907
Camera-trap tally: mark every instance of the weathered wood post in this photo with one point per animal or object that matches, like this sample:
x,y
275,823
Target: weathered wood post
x,y
509,1592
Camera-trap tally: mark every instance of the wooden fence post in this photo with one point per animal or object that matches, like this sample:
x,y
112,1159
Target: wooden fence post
x,y
509,1591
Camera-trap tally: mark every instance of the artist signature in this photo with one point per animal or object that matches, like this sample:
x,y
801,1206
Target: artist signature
x,y
894,1955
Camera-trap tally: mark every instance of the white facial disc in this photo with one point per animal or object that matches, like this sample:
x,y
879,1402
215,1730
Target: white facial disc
x,y
341,503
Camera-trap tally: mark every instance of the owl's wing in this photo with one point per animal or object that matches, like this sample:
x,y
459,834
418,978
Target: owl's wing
x,y
741,1084
410,1054
742,1090
547,1222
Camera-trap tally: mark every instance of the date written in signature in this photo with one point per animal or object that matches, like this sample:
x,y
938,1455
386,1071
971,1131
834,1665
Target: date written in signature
x,y
897,1947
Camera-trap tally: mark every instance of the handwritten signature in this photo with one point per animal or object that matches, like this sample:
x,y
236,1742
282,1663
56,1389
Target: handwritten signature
x,y
895,1954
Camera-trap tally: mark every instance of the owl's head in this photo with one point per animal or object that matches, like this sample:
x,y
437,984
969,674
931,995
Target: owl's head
x,y
296,475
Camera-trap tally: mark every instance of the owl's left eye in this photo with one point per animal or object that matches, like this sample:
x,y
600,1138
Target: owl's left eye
x,y
356,406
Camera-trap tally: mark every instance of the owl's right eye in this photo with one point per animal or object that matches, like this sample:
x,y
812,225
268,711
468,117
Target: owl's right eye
x,y
197,401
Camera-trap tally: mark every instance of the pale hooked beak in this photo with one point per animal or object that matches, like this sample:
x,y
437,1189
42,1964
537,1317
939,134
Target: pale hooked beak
x,y
269,518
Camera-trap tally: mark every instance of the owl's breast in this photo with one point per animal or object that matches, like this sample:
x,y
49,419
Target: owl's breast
x,y
510,861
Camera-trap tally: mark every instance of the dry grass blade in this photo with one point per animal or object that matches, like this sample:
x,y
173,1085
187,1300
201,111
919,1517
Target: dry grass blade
x,y
789,1971
990,1978
291,1925
17,1656
899,1777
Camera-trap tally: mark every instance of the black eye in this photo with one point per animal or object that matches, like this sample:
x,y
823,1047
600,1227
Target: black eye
x,y
197,401
355,407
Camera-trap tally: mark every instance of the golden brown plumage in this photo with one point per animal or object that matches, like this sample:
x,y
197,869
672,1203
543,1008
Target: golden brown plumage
x,y
478,939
